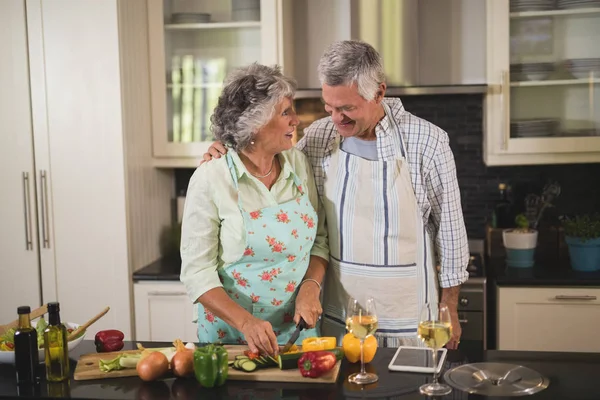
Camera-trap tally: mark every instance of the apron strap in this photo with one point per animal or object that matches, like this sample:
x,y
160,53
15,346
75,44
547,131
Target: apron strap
x,y
398,138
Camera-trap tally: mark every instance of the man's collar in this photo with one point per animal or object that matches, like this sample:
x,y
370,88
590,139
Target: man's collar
x,y
396,108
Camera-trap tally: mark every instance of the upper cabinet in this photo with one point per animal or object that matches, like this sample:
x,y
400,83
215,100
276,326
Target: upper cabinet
x,y
193,45
543,65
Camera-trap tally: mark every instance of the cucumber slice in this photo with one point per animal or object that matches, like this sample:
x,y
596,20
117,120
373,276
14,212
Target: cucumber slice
x,y
248,365
241,357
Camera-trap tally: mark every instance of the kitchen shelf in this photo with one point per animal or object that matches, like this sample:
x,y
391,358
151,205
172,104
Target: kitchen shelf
x,y
575,11
558,82
213,25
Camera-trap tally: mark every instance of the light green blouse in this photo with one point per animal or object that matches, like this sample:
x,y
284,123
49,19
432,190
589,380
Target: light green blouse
x,y
213,233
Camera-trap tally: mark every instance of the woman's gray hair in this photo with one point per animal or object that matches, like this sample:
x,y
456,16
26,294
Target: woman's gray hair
x,y
247,103
349,61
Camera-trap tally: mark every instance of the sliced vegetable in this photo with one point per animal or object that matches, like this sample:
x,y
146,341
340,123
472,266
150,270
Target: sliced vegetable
x,y
122,361
313,364
248,365
319,343
211,366
290,361
109,340
169,352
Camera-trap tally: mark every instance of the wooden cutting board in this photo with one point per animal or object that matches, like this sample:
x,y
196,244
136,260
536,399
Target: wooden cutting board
x,y
87,368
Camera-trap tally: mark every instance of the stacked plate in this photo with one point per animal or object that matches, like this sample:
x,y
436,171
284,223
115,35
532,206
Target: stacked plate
x,y
531,5
570,4
583,68
533,128
190,18
530,71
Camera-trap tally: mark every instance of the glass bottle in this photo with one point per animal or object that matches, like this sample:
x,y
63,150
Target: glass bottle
x,y
55,346
502,217
26,349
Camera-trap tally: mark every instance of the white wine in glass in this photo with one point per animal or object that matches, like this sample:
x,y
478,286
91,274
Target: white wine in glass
x,y
361,321
435,330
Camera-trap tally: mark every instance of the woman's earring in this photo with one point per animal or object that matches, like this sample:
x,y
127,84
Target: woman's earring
x,y
252,142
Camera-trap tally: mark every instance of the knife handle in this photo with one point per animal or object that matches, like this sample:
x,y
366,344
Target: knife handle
x,y
302,324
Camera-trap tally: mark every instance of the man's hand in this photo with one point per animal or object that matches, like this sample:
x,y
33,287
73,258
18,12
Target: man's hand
x,y
214,151
450,298
456,330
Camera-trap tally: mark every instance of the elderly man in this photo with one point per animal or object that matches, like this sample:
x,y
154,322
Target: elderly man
x,y
387,180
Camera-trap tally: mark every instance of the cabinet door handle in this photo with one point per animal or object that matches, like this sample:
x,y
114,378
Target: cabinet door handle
x,y
463,321
155,293
45,217
567,297
505,104
27,212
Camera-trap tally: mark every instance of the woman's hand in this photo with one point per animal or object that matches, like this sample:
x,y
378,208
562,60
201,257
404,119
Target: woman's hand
x,y
308,305
260,336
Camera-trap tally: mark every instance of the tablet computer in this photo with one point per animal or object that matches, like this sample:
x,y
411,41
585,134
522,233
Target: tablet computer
x,y
416,359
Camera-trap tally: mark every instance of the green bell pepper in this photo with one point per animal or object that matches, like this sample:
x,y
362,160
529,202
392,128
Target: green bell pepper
x,y
211,365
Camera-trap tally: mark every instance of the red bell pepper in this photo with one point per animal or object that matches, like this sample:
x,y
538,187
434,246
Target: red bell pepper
x,y
313,364
109,340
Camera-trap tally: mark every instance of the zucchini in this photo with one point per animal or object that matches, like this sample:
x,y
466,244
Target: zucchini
x,y
290,361
248,365
241,357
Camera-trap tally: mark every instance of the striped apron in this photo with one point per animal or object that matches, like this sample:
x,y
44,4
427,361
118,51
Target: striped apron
x,y
378,244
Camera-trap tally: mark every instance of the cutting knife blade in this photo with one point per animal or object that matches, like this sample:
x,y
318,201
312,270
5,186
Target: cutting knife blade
x,y
301,325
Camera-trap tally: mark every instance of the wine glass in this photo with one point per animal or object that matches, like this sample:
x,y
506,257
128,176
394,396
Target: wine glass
x,y
361,321
435,330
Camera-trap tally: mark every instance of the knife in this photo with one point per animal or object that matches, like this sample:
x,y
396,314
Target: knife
x,y
301,325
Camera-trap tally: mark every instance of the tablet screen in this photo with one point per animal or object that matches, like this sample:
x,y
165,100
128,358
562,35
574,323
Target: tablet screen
x,y
411,357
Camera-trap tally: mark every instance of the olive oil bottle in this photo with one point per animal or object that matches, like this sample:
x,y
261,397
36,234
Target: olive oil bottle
x,y
26,349
55,346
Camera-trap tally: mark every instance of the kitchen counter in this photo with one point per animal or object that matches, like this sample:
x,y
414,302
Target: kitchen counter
x,y
572,377
541,274
164,269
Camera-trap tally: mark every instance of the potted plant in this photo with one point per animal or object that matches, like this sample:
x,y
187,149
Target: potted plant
x,y
582,235
520,243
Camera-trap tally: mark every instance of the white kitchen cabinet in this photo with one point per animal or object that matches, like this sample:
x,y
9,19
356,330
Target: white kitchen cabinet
x,y
163,312
549,319
75,159
193,45
543,68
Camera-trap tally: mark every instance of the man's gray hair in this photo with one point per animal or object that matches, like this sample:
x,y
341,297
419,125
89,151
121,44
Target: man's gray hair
x,y
349,61
247,103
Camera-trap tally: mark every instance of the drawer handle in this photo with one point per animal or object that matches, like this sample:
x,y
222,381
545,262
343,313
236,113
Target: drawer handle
x,y
463,321
166,293
584,297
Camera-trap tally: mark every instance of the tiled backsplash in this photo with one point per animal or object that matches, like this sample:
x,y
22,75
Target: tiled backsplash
x,y
461,116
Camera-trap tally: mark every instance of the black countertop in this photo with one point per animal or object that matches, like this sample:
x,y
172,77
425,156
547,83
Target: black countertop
x,y
164,269
541,274
572,377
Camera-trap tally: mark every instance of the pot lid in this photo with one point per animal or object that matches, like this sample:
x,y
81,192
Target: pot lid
x,y
496,379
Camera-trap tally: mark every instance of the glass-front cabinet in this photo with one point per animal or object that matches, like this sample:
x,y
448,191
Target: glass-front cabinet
x,y
543,105
193,45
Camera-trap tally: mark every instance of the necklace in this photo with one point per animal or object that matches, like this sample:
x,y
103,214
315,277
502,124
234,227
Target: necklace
x,y
265,175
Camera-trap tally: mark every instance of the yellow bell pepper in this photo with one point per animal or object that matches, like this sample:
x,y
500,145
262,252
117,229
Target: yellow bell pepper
x,y
351,347
319,343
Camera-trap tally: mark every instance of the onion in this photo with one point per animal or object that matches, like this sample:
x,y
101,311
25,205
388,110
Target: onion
x,y
153,366
182,363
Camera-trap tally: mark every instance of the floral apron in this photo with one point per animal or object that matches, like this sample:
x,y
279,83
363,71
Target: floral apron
x,y
264,280
378,245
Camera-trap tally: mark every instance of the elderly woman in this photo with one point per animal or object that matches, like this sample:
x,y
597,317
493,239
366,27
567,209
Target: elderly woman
x,y
253,244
